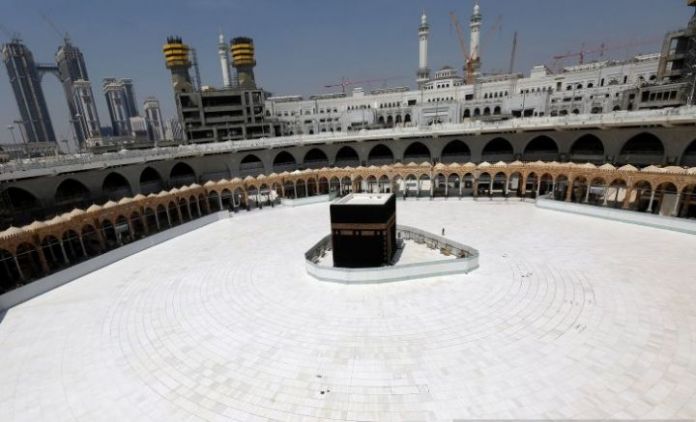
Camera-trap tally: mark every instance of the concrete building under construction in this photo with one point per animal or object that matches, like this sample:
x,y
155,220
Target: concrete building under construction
x,y
229,113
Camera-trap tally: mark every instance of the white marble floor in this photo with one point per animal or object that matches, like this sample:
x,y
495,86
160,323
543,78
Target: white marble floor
x,y
567,317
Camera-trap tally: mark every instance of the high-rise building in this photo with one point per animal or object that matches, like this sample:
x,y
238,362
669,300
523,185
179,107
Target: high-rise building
x,y
72,68
173,130
120,101
215,115
86,110
139,129
26,84
153,118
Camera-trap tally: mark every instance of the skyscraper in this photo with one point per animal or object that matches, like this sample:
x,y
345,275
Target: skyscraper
x,y
71,68
86,111
26,84
153,117
120,100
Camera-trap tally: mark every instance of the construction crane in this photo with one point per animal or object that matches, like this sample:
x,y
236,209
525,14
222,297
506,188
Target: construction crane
x,y
9,34
345,83
196,70
497,27
513,54
601,50
63,34
468,63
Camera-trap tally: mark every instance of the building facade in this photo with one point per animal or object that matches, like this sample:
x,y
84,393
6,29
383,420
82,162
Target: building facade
x,y
35,124
85,109
120,101
153,118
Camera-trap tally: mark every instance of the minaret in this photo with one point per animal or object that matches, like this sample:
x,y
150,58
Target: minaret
x,y
474,47
224,61
423,32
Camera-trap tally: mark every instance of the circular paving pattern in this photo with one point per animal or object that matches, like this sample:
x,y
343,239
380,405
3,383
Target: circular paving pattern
x,y
567,317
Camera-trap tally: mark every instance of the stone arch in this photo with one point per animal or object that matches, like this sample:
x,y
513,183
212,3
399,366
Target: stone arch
x,y
73,247
689,156
181,174
71,193
455,151
484,184
150,181
52,251
214,202
335,185
467,114
115,186
347,185
579,189
499,184
251,165
665,198
173,211
643,149
347,157
384,184
541,148
587,148
323,185
150,220
315,159
163,216
137,224
9,274
380,154
301,188
596,191
687,207
514,183
29,261
91,240
498,149
123,230
453,185
284,161
23,204
417,152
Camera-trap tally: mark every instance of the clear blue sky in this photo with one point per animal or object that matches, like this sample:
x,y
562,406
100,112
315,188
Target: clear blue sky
x,y
304,44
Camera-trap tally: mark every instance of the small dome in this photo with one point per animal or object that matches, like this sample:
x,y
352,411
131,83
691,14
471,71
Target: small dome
x,y
125,200
484,164
628,167
652,169
93,208
500,164
674,170
34,226
109,204
607,166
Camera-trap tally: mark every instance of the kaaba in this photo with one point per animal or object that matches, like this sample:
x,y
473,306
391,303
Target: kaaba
x,y
363,230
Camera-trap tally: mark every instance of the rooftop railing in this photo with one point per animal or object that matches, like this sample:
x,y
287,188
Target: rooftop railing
x,y
84,161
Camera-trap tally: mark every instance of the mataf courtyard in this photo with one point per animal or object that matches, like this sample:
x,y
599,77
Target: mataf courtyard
x,y
567,317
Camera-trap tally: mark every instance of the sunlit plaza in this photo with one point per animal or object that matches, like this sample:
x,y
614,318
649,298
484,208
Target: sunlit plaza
x,y
567,317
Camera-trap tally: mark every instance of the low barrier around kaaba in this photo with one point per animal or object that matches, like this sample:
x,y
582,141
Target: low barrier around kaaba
x,y
464,259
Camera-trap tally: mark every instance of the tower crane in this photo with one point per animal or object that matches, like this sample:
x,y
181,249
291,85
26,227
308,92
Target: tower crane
x,y
345,83
468,63
62,34
602,49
